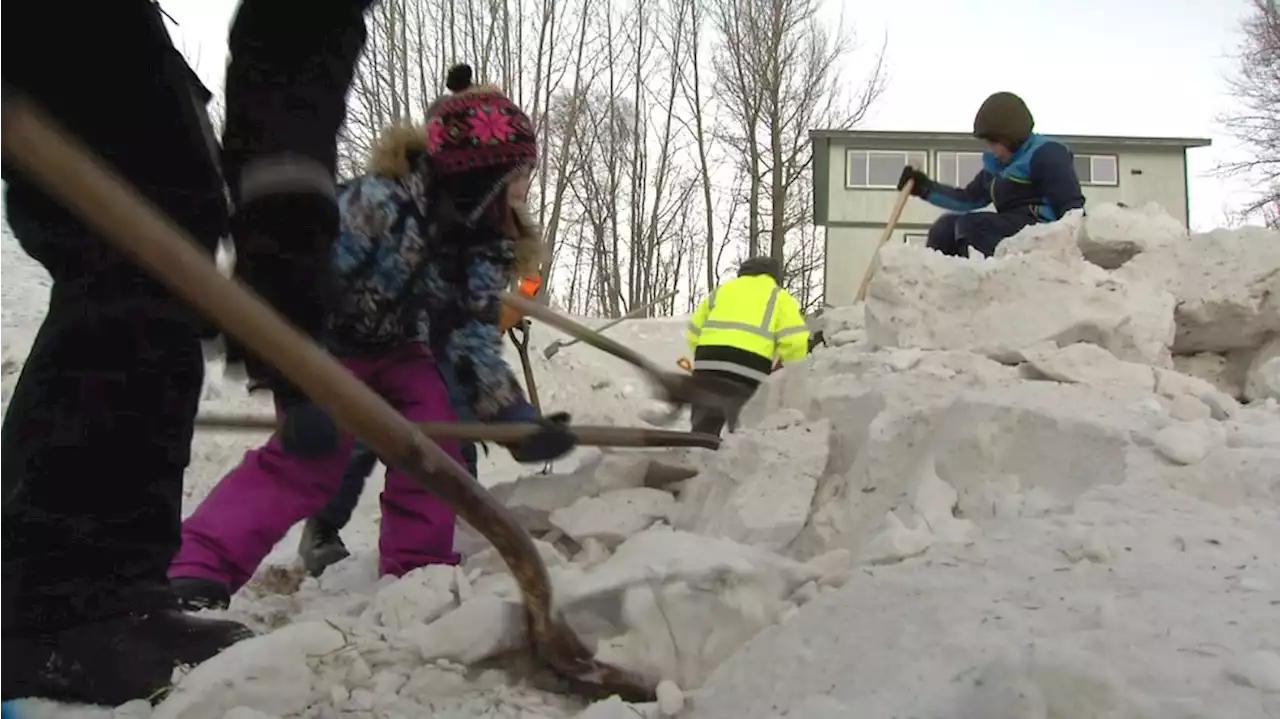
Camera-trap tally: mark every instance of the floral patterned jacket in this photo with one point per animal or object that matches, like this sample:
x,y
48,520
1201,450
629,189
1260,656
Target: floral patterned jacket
x,y
398,282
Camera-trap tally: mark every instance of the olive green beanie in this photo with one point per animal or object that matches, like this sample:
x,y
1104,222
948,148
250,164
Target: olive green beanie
x,y
1004,118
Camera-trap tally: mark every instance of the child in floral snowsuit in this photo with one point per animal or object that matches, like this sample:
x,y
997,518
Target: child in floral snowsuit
x,y
428,241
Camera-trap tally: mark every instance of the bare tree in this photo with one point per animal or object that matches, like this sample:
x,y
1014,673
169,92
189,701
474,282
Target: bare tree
x,y
1256,124
781,72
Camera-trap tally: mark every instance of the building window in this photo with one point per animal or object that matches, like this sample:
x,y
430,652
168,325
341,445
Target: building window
x,y
880,168
915,239
958,168
1097,169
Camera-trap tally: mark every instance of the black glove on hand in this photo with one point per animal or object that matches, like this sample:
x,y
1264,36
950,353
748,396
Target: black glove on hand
x,y
550,442
923,185
307,430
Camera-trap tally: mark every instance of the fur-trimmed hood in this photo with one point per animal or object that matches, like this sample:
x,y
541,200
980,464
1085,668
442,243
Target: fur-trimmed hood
x,y
390,160
391,152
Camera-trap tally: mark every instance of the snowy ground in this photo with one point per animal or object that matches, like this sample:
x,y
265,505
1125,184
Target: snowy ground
x,y
993,497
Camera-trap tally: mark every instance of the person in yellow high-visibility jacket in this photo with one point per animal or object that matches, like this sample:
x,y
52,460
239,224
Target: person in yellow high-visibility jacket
x,y
742,330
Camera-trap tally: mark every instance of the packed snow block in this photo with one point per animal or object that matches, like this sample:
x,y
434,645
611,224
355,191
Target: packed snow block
x,y
673,605
1008,451
1059,440
1262,380
850,406
612,517
1231,477
787,389
280,674
1259,669
932,516
1051,681
1227,285
1187,442
761,491
1226,372
1112,235
420,596
1088,364
1059,240
615,708
484,626
854,501
999,306
490,561
532,498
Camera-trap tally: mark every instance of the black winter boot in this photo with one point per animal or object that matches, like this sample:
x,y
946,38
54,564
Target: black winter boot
x,y
196,594
321,546
113,661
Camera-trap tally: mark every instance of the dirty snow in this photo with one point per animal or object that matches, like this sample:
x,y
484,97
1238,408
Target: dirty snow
x,y
1040,485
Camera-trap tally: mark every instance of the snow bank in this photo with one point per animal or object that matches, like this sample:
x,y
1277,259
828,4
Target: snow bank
x,y
1038,485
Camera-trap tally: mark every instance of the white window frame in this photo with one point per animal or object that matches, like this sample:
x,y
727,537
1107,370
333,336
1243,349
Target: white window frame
x,y
906,156
955,160
1115,160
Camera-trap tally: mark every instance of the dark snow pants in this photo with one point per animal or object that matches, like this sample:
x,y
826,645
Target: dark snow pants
x,y
709,420
97,434
954,234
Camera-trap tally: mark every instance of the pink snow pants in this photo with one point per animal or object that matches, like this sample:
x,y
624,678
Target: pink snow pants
x,y
252,508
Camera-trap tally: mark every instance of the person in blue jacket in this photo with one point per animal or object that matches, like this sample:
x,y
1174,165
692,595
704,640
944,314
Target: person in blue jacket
x,y
1029,178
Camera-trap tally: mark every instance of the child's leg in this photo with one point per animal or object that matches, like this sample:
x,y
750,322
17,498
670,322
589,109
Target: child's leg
x,y
417,528
254,506
338,511
251,509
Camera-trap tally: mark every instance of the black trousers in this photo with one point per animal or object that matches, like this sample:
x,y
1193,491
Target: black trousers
x,y
97,434
709,420
954,234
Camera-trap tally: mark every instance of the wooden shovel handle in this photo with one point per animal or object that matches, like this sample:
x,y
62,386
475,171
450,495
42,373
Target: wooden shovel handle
x,y
587,435
899,203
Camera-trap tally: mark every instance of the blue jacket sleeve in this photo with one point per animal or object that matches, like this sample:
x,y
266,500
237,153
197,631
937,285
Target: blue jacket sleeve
x,y
973,196
1053,175
466,330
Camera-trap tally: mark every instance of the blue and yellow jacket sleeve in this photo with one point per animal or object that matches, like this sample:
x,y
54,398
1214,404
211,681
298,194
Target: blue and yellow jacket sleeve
x,y
789,329
465,328
973,196
1052,172
694,329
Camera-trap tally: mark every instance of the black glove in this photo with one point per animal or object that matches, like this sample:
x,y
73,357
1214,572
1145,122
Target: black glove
x,y
307,430
923,185
551,441
283,243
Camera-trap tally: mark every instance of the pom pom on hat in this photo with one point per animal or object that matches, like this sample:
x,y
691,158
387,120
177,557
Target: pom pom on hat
x,y
459,78
477,140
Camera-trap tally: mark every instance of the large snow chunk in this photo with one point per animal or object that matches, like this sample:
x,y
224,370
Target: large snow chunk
x,y
281,674
532,498
1113,235
1059,240
1008,451
1262,381
932,512
1084,363
760,490
1002,305
1227,284
613,516
484,626
672,605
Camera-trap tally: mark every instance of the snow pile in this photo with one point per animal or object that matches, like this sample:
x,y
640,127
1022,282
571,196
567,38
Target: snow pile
x,y
1000,492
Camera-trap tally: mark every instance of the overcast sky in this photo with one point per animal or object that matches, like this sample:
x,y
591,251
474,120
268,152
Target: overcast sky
x,y
1085,67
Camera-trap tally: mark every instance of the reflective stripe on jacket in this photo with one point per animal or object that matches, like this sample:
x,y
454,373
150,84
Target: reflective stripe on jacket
x,y
752,314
